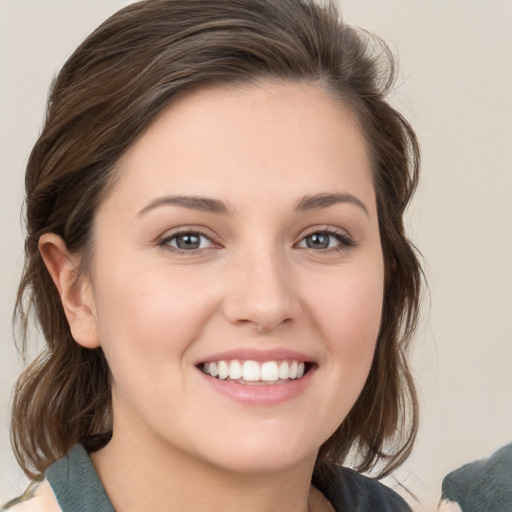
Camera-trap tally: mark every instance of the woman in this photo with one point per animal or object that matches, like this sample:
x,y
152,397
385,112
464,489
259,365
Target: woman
x,y
216,256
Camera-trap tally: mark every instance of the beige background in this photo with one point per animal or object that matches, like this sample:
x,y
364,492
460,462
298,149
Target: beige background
x,y
455,87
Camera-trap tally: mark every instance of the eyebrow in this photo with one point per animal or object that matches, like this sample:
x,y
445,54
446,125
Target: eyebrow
x,y
320,201
209,205
203,204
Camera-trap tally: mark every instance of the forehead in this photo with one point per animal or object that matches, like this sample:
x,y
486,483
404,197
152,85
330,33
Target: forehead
x,y
273,140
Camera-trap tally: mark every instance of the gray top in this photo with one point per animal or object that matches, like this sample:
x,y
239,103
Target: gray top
x,y
484,485
349,491
76,484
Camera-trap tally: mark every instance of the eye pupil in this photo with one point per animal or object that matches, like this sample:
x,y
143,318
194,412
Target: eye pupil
x,y
188,241
318,241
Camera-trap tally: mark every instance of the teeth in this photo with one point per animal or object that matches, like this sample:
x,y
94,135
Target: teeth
x,y
284,370
292,374
214,371
253,371
269,371
223,370
235,370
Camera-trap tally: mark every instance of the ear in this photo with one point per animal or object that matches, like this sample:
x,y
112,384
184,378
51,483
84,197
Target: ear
x,y
75,290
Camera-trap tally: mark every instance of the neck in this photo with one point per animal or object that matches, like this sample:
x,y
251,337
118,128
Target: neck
x,y
140,475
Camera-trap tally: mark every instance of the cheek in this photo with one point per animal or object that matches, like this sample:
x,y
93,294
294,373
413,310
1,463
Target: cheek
x,y
147,318
347,309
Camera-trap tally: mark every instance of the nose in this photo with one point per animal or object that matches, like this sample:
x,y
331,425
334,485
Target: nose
x,y
262,292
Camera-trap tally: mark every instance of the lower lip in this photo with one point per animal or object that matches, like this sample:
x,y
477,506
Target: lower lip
x,y
260,394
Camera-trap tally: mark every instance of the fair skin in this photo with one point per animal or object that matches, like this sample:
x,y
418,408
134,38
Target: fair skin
x,y
270,271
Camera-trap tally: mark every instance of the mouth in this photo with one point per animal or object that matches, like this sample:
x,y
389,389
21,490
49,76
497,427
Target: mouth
x,y
250,372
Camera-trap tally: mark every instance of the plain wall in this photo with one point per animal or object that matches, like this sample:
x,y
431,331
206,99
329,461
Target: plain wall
x,y
454,87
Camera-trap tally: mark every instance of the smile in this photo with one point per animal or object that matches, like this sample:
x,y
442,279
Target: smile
x,y
254,372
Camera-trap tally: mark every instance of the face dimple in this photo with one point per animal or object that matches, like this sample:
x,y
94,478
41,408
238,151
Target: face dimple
x,y
279,260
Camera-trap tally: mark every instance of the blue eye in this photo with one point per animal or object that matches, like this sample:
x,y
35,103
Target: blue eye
x,y
188,241
322,240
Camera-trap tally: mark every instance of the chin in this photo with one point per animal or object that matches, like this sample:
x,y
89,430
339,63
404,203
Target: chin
x,y
258,461
255,452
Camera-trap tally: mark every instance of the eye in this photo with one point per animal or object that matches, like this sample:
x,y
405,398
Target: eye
x,y
187,241
326,240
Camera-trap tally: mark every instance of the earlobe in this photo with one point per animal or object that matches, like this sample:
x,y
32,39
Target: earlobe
x,y
74,290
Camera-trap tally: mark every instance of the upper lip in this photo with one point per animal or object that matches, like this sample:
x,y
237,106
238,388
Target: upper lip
x,y
254,354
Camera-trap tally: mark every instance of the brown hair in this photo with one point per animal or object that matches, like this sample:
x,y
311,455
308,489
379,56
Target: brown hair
x,y
108,92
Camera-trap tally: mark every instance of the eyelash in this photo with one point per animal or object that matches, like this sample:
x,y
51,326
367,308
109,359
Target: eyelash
x,y
345,242
165,242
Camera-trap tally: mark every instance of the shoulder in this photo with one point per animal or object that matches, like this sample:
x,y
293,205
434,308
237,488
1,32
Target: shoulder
x,y
38,497
348,490
448,506
481,485
370,494
76,484
71,484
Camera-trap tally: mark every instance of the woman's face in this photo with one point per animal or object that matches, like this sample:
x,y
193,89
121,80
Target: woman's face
x,y
240,238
